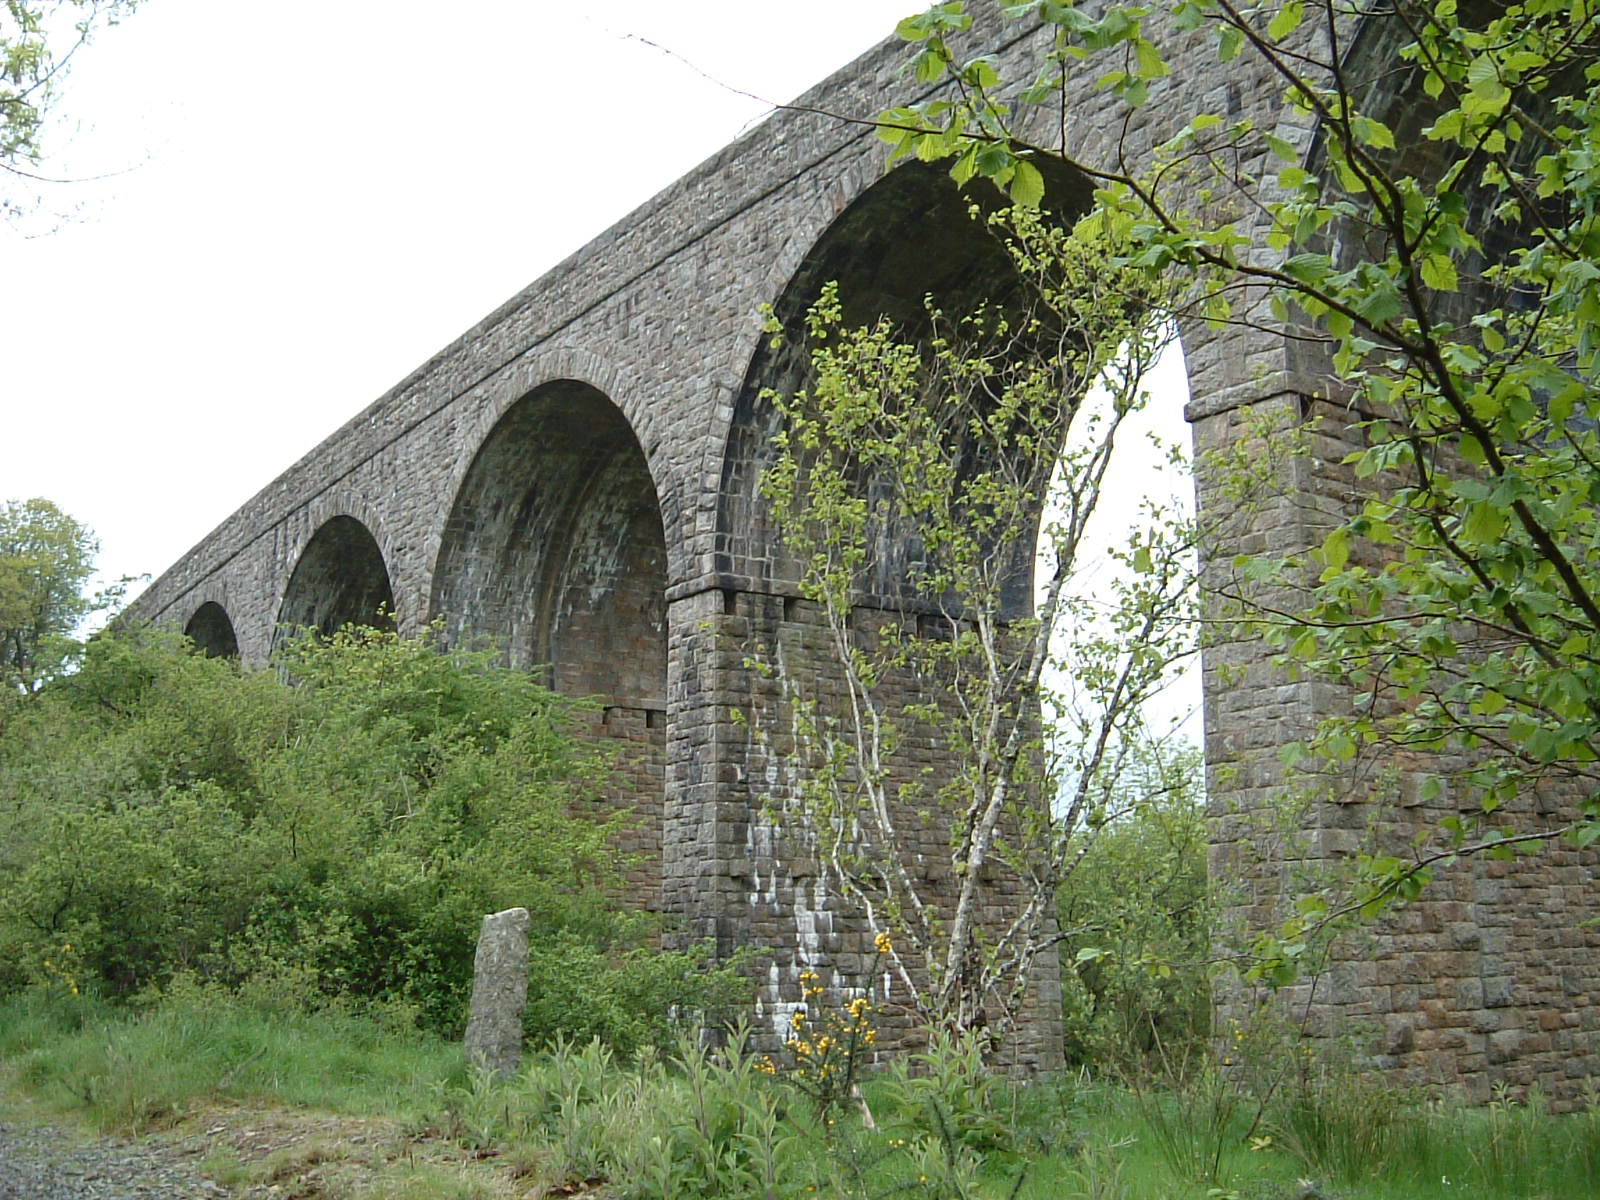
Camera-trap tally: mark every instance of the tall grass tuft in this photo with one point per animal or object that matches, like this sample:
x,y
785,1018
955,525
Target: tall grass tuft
x,y
1346,1125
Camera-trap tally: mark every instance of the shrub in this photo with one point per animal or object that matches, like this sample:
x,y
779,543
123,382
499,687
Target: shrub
x,y
339,836
1136,923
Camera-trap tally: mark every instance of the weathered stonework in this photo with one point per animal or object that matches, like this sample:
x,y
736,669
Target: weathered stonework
x,y
499,993
575,477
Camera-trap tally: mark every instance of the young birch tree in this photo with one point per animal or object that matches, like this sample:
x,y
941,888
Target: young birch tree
x,y
995,434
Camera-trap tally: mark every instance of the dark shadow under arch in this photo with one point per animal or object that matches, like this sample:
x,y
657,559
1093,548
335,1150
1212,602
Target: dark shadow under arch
x,y
212,632
554,549
340,580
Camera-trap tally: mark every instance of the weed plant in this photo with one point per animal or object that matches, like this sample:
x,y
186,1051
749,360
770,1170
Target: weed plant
x,y
1347,1125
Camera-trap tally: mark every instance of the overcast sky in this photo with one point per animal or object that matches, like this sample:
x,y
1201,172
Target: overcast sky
x,y
307,199
281,210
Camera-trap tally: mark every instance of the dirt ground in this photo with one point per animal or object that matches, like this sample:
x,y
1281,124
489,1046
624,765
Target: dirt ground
x,y
227,1149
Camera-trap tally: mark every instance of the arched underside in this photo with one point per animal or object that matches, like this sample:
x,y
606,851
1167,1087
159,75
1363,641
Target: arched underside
x,y
212,632
340,580
907,241
554,551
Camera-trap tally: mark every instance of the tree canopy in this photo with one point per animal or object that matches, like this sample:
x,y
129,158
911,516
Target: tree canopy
x,y
38,39
169,821
46,560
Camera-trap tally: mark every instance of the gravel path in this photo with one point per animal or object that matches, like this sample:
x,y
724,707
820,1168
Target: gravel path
x,y
47,1164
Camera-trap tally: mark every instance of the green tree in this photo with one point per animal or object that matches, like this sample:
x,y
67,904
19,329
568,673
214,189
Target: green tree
x,y
989,440
1447,265
46,559
1135,918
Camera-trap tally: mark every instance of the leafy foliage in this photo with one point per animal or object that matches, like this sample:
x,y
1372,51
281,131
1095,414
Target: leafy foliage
x,y
1135,919
46,559
167,817
37,41
1449,274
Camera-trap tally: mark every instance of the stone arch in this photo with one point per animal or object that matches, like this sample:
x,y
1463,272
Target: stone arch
x,y
904,241
555,369
554,550
339,579
211,631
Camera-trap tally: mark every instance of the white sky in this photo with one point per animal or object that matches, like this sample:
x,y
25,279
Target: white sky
x,y
303,201
313,196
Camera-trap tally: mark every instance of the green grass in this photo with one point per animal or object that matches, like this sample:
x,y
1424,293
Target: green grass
x,y
130,1071
693,1125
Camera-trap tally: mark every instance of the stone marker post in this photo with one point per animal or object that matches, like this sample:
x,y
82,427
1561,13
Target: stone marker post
x,y
499,992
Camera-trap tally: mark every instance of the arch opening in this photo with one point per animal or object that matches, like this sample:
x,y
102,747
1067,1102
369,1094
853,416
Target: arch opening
x,y
555,552
910,241
340,580
212,632
908,237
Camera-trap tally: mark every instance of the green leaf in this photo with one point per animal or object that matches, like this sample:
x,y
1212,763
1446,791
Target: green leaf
x,y
1380,303
1483,76
1372,133
1439,272
1027,185
1282,148
992,158
1312,906
1308,268
1187,16
1485,523
1151,64
1286,21
1336,549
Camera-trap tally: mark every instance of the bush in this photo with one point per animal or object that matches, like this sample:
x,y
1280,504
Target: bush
x,y
166,816
1137,932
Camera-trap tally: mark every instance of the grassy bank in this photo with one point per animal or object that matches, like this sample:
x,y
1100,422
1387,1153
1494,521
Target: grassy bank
x,y
362,1110
130,1072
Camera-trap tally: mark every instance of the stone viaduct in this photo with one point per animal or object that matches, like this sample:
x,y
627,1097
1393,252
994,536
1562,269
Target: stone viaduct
x,y
575,476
